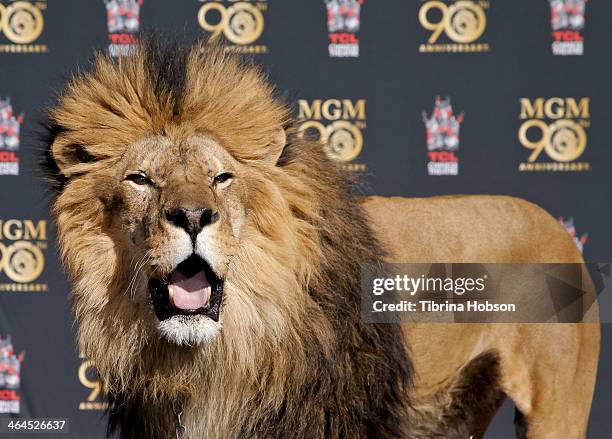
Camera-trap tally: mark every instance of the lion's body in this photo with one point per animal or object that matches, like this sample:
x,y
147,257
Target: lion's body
x,y
183,165
547,369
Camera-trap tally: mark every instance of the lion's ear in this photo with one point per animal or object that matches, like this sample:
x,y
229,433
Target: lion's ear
x,y
67,155
64,152
277,146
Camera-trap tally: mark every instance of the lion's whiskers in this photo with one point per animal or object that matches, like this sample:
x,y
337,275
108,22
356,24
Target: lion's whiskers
x,y
140,264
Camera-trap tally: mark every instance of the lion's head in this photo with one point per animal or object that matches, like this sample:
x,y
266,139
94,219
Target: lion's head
x,y
164,163
209,245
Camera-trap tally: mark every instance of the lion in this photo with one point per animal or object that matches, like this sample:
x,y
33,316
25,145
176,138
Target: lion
x,y
215,257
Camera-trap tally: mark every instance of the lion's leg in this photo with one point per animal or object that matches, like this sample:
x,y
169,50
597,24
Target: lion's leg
x,y
551,379
475,396
484,418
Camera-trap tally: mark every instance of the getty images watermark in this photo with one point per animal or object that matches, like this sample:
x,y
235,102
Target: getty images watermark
x,y
412,286
485,293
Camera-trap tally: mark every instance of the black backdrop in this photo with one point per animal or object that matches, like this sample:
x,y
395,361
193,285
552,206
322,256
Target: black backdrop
x,y
491,55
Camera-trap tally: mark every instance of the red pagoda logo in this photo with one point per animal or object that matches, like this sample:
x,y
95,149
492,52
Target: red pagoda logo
x,y
123,23
343,23
442,135
10,376
567,19
10,128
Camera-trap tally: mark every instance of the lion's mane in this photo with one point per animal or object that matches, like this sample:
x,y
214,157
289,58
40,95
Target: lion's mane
x,y
293,359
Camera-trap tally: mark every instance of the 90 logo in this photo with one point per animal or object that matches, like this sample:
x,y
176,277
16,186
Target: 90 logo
x,y
22,260
563,141
88,376
90,379
21,22
241,23
343,139
463,22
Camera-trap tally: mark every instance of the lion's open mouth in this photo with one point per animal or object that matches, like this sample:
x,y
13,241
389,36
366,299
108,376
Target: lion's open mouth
x,y
192,288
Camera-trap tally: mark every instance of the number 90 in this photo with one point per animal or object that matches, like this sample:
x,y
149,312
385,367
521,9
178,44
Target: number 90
x,y
563,141
241,23
463,22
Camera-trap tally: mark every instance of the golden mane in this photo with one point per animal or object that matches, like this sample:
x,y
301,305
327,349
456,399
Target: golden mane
x,y
118,102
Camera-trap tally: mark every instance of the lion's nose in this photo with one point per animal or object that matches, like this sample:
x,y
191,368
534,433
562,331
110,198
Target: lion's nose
x,y
193,219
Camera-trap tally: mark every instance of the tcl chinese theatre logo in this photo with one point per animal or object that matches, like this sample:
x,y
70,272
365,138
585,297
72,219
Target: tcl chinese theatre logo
x,y
343,23
90,379
10,376
123,23
554,130
454,26
567,19
21,24
241,23
442,135
338,125
10,130
22,259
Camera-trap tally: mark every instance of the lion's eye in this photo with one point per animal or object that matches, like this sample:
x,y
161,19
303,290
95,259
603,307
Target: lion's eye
x,y
224,177
139,179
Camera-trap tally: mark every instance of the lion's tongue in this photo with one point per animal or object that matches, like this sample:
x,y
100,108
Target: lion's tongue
x,y
189,292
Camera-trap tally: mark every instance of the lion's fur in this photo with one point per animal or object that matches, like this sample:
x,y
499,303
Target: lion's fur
x,y
294,358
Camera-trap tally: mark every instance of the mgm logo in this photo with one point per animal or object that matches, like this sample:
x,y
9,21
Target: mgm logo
x,y
556,126
240,22
22,260
462,22
337,124
21,23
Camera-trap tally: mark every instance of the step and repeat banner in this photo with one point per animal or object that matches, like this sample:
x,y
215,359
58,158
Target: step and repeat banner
x,y
420,97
